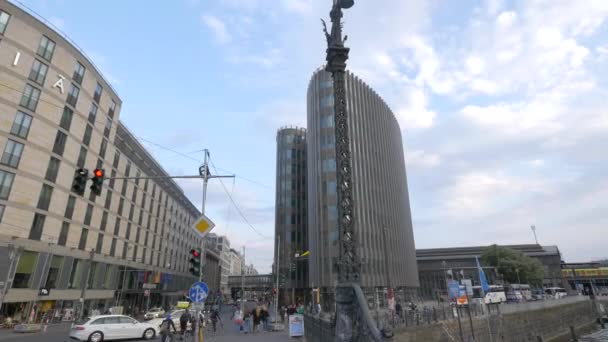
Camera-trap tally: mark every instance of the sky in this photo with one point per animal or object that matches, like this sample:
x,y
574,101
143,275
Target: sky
x,y
502,105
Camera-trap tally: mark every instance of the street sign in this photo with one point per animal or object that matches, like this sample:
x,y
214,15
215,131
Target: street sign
x,y
44,292
198,292
197,306
203,225
453,289
149,286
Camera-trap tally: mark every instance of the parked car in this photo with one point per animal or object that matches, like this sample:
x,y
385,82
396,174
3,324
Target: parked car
x,y
154,313
112,327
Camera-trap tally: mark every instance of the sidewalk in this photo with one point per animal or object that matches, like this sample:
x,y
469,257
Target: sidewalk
x,y
52,328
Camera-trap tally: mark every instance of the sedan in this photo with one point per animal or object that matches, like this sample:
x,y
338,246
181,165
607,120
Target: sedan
x,y
154,313
112,327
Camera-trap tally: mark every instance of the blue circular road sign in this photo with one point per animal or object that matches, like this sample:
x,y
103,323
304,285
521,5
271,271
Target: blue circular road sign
x,y
198,292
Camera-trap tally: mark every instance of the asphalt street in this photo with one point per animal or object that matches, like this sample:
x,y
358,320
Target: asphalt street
x,y
226,333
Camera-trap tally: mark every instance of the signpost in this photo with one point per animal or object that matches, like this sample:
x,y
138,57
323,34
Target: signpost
x,y
198,292
203,225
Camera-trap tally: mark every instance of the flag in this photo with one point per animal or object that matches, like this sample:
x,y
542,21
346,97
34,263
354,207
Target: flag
x,y
462,273
450,273
482,277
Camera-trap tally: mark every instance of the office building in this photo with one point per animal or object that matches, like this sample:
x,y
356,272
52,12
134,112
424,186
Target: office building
x,y
383,223
237,262
58,114
291,229
222,244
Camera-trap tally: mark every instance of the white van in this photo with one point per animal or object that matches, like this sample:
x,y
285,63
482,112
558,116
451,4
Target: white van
x,y
556,292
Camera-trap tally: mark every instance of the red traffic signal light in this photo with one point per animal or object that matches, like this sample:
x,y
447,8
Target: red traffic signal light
x,y
195,253
98,173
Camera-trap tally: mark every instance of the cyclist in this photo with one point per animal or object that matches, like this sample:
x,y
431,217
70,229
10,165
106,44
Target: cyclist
x,y
165,329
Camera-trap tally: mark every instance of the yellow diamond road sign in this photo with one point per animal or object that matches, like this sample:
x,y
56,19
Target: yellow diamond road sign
x,y
203,225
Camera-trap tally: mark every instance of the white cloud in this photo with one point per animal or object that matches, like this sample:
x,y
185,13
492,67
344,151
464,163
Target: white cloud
x,y
422,159
217,27
414,113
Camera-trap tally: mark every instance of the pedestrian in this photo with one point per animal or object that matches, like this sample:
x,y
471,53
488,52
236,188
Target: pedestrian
x,y
256,318
398,309
215,317
282,313
264,315
247,322
165,329
183,322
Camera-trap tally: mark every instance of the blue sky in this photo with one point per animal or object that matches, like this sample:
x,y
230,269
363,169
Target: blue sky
x,y
502,104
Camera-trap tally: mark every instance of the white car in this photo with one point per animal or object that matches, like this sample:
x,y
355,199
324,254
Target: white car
x,y
154,313
112,327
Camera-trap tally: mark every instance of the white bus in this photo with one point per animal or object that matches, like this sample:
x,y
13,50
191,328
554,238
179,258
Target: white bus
x,y
495,295
555,292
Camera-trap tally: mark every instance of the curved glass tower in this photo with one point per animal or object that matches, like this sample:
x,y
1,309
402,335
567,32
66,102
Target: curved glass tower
x,y
383,220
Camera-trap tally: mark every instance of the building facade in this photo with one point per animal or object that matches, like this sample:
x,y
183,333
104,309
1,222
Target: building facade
x,y
57,114
291,224
436,265
250,270
383,222
237,262
222,244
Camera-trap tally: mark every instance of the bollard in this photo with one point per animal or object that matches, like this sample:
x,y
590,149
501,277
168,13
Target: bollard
x,y
573,334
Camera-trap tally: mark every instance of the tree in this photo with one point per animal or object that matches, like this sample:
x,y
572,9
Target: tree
x,y
513,265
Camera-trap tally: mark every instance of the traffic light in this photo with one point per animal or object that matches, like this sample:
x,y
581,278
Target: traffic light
x,y
80,181
195,261
98,176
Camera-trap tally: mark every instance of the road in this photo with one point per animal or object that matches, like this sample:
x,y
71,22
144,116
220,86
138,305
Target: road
x,y
229,333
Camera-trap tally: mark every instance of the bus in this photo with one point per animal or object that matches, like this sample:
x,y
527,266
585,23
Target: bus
x,y
521,292
495,295
555,292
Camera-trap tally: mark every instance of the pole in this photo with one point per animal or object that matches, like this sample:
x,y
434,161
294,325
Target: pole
x,y
46,261
243,285
85,283
457,308
276,295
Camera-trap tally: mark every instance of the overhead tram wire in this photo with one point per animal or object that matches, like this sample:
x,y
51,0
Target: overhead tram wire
x,y
238,209
239,176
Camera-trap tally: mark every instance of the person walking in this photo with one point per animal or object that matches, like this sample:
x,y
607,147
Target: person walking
x,y
247,322
256,318
264,316
215,317
165,329
183,323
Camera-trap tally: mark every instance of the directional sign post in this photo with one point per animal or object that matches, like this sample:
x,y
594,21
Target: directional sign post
x,y
198,292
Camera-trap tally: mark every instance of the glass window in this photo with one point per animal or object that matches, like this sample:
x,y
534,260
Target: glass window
x,y
106,130
327,141
332,212
112,109
46,48
76,274
92,113
66,118
99,244
78,73
328,165
59,145
52,170
6,182
21,125
128,235
327,84
30,97
113,247
4,17
82,244
1,212
121,204
63,235
51,279
86,139
108,199
82,157
12,153
102,148
37,226
327,101
98,90
331,187
73,95
25,268
126,320
327,121
38,72
117,226
104,221
45,197
69,208
88,214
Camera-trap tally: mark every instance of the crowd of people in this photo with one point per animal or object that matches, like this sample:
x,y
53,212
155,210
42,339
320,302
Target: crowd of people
x,y
253,320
